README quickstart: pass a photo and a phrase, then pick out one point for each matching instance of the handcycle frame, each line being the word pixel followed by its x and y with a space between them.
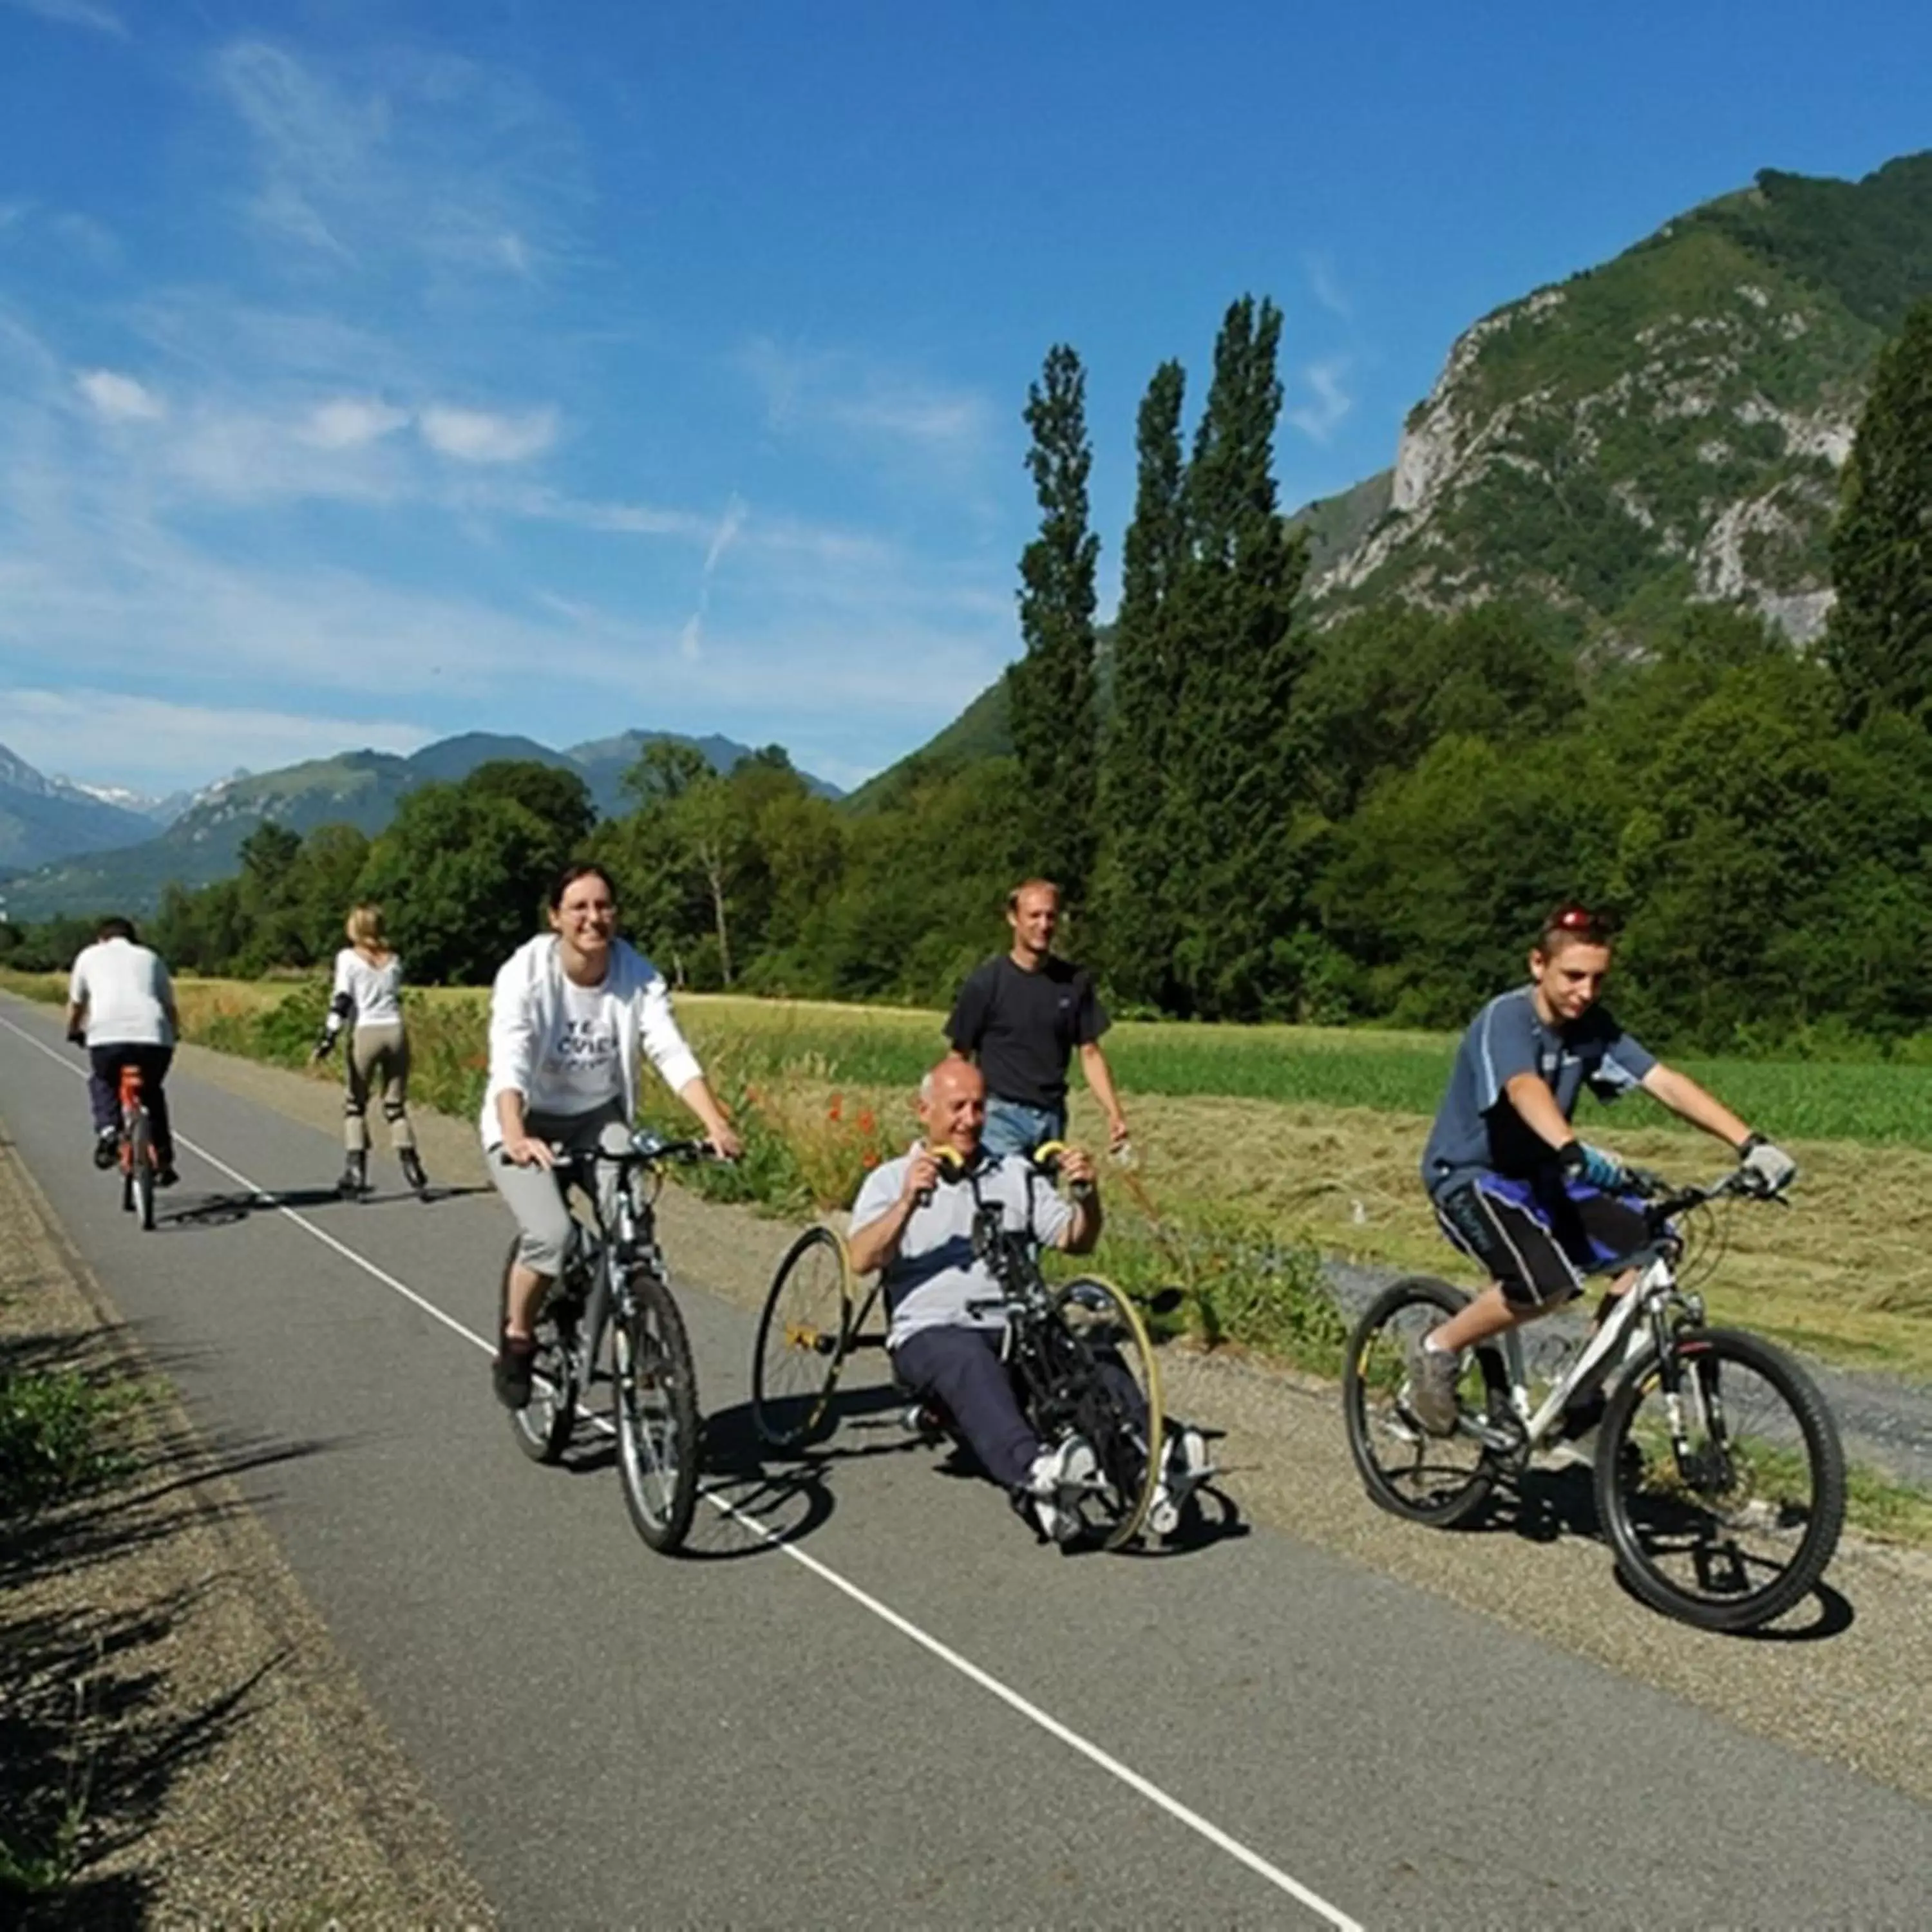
pixel 1054 1360
pixel 614 1278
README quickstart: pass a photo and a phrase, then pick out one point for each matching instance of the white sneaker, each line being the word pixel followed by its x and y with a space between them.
pixel 1056 1482
pixel 1184 1466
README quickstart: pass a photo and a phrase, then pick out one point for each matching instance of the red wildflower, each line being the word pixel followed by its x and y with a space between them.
pixel 866 1123
pixel 837 1109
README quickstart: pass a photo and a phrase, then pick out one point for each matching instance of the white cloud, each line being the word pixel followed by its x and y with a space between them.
pixel 346 422
pixel 1325 285
pixel 482 436
pixel 729 527
pixel 839 391
pixel 120 398
pixel 86 13
pixel 1319 419
pixel 151 744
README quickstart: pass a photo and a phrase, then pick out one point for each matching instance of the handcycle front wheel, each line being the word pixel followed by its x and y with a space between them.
pixel 1124 1424
pixel 654 1397
pixel 803 1333
pixel 1430 1479
pixel 1736 1528
pixel 543 1428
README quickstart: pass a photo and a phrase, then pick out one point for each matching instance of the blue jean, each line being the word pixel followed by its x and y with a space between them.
pixel 1013 1127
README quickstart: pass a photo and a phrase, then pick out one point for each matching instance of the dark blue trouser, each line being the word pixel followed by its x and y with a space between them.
pixel 103 1089
pixel 962 1368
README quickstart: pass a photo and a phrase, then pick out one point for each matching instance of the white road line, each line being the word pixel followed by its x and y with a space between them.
pixel 1182 1814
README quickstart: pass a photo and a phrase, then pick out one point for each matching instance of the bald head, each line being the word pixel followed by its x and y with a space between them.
pixel 952 1105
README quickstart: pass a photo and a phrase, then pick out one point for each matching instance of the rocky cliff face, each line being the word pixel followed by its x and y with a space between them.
pixel 1669 426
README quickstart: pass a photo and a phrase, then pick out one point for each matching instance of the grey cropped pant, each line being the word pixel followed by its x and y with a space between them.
pixel 532 1193
pixel 378 1058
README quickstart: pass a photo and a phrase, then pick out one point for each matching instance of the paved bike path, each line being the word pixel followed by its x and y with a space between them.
pixel 739 1739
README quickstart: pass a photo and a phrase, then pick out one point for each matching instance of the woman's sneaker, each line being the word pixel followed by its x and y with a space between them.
pixel 1057 1481
pixel 510 1373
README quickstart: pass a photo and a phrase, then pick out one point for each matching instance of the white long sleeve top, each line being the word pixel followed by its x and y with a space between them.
pixel 364 994
pixel 569 1049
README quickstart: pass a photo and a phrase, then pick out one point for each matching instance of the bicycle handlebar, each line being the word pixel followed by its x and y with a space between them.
pixel 1664 1201
pixel 645 1151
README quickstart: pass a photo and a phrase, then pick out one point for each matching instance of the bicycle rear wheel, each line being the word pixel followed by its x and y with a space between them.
pixel 543 1430
pixel 654 1397
pixel 1117 1405
pixel 1736 1526
pixel 141 1167
pixel 1438 1480
pixel 801 1342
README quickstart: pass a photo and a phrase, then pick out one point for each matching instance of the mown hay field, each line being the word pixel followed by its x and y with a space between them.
pixel 1313 1134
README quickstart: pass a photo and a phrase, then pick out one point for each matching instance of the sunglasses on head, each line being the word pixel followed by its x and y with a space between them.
pixel 1581 920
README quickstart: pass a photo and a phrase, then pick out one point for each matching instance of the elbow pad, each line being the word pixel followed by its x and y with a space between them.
pixel 341 1007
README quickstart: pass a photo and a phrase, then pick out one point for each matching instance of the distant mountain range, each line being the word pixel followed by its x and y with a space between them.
pixel 107 857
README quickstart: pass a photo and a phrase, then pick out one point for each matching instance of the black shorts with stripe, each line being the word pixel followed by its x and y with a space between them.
pixel 1538 1242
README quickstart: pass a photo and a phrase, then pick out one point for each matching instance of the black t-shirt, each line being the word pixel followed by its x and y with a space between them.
pixel 1023 1027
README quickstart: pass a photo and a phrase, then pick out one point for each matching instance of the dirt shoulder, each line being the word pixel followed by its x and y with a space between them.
pixel 165 1685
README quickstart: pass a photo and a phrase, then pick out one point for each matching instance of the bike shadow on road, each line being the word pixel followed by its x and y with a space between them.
pixel 1545 1504
pixel 217 1210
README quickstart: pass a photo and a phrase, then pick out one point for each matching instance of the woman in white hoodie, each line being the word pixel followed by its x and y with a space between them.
pixel 567 1014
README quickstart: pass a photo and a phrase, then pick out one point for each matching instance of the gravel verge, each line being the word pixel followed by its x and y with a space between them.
pixel 163 1671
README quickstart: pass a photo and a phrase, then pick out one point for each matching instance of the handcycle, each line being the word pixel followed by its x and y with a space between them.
pixel 1078 1351
pixel 613 1281
pixel 1719 1476
pixel 134 1148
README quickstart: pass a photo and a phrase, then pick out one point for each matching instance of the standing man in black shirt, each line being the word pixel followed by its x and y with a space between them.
pixel 1020 1015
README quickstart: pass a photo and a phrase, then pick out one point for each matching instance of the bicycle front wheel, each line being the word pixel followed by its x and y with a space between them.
pixel 801 1342
pixel 141 1168
pixel 543 1428
pixel 1118 1406
pixel 1721 1481
pixel 655 1395
pixel 1425 1478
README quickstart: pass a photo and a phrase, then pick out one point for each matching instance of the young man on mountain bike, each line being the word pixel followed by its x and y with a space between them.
pixel 1513 1187
pixel 120 1005
pixel 914 1219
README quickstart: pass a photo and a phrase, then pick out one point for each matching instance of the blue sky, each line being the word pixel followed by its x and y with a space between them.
pixel 373 372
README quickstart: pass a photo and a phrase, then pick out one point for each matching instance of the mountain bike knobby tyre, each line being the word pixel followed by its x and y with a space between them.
pixel 543 1430
pixel 1739 1528
pixel 1126 1428
pixel 1437 1479
pixel 800 1346
pixel 654 1398
pixel 139 1192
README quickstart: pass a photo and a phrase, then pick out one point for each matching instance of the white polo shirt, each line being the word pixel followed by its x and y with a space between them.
pixel 127 992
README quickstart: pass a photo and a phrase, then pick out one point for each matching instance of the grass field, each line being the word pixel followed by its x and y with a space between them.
pixel 1273 1141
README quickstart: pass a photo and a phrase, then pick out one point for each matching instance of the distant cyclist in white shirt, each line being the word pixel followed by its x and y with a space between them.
pixel 568 1013
pixel 120 1004
pixel 367 998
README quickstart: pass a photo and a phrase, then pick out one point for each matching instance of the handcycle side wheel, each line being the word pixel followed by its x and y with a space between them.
pixel 803 1333
pixel 139 1194
pixel 1423 1478
pixel 654 1398
pixel 1739 1528
pixel 543 1430
pixel 1118 1407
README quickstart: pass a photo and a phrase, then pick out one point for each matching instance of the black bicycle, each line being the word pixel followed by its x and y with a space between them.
pixel 1078 1353
pixel 613 1281
pixel 1720 1478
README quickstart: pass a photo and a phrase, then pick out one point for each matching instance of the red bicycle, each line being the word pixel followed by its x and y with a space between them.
pixel 136 1148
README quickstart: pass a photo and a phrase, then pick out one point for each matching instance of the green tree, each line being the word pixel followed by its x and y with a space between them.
pixel 1053 706
pixel 1880 637
pixel 558 798
pixel 1132 890
pixel 1235 781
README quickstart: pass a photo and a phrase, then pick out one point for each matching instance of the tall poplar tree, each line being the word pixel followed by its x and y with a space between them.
pixel 1133 890
pixel 1053 699
pixel 1235 780
pixel 1879 637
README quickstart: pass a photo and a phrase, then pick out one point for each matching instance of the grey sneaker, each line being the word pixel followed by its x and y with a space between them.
pixel 1056 1482
pixel 1433 1374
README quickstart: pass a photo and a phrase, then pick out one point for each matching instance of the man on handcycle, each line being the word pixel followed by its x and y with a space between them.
pixel 1514 1188
pixel 913 1219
